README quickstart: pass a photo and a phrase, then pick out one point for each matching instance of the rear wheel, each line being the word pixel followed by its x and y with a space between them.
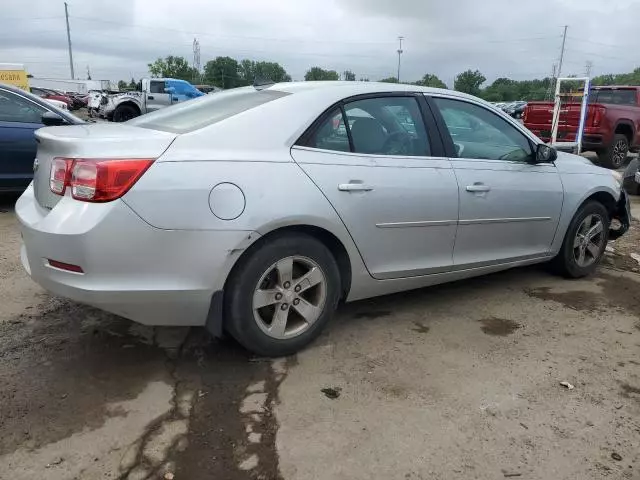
pixel 615 156
pixel 122 113
pixel 281 295
pixel 584 242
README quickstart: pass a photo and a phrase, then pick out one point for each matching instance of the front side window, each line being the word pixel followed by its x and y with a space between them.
pixel 156 87
pixel 478 133
pixel 376 126
pixel 16 109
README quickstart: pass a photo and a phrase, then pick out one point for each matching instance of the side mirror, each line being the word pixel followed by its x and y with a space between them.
pixel 545 154
pixel 51 119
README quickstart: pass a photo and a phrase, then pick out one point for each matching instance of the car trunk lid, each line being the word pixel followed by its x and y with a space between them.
pixel 102 141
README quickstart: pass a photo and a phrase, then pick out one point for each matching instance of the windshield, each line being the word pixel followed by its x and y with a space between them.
pixel 207 110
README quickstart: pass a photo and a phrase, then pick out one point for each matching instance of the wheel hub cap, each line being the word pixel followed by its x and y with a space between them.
pixel 289 297
pixel 589 241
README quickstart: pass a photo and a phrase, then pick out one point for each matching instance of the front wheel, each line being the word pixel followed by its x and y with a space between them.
pixel 584 242
pixel 281 295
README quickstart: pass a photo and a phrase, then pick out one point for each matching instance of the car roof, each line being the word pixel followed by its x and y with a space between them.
pixel 345 88
pixel 39 101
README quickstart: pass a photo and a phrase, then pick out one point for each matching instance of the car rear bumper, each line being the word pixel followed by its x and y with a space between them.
pixel 149 275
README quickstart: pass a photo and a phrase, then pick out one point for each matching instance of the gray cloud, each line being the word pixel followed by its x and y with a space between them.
pixel 499 37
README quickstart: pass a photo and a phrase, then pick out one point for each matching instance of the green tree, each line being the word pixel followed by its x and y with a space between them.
pixel 223 72
pixel 390 80
pixel 430 80
pixel 123 85
pixel 317 73
pixel 133 84
pixel 469 82
pixel 172 67
pixel 349 76
pixel 250 70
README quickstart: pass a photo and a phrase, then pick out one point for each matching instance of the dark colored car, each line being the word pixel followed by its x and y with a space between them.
pixel 21 113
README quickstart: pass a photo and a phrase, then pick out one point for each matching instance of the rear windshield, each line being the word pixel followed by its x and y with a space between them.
pixel 614 97
pixel 206 110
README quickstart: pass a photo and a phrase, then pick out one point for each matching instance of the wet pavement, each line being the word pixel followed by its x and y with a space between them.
pixel 456 381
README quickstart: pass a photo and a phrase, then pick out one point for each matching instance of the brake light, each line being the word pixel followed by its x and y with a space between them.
pixel 598 115
pixel 97 180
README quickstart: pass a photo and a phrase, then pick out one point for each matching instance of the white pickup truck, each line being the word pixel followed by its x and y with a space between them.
pixel 153 94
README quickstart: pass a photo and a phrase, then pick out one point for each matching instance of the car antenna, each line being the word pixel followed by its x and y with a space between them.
pixel 260 83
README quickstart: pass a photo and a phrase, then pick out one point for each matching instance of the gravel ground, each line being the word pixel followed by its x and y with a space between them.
pixel 457 381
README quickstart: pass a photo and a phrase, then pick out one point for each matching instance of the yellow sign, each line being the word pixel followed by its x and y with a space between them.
pixel 17 78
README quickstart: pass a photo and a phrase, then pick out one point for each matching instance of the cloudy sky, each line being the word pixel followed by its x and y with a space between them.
pixel 514 38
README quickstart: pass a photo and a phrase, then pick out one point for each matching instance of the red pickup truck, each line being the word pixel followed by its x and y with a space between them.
pixel 611 129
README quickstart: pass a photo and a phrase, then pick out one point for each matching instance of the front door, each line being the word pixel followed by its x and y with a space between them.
pixel 509 207
pixel 157 97
pixel 376 162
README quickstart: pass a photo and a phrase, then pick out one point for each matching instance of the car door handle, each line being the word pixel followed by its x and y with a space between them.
pixel 354 187
pixel 478 187
pixel 150 97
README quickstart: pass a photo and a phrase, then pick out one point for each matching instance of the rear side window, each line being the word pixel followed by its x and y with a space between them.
pixel 382 125
pixel 613 97
pixel 206 110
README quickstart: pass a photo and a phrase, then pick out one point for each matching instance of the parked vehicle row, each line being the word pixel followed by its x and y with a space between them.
pixel 73 101
pixel 395 186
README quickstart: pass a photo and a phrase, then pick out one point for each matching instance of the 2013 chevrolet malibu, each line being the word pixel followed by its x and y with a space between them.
pixel 254 211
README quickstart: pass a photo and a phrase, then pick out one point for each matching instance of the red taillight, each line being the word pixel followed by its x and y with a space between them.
pixel 60 175
pixel 598 115
pixel 97 180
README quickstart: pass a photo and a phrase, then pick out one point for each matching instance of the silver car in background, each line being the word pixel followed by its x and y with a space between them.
pixel 256 210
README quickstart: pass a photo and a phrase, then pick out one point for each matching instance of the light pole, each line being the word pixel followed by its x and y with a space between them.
pixel 399 54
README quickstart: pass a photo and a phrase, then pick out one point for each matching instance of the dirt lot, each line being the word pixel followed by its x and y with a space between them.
pixel 459 381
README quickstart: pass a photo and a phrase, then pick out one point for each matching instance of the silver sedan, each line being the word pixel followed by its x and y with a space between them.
pixel 255 211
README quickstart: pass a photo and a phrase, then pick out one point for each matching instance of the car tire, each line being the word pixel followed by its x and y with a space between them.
pixel 262 271
pixel 567 262
pixel 616 154
pixel 123 113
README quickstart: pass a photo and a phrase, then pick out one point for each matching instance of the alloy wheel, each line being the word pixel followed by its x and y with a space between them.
pixel 589 240
pixel 289 297
pixel 619 153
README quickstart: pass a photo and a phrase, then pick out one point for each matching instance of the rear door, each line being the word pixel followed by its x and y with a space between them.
pixel 379 161
pixel 19 118
pixel 157 98
pixel 509 207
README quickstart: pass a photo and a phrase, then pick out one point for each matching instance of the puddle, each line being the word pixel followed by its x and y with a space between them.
pixel 500 327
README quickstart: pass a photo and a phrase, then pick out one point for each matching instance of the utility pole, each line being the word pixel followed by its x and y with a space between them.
pixel 399 54
pixel 564 40
pixel 66 15
pixel 588 66
pixel 196 60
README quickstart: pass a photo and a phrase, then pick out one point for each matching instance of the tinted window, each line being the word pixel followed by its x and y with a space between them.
pixel 156 87
pixel 615 97
pixel 387 126
pixel 332 134
pixel 14 108
pixel 481 134
pixel 206 110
